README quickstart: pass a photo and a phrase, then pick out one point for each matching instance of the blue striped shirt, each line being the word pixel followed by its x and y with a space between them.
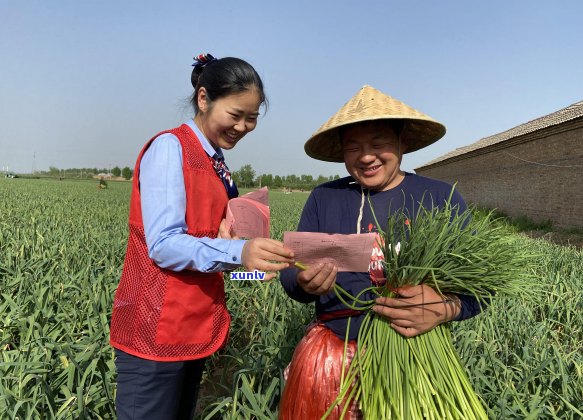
pixel 163 201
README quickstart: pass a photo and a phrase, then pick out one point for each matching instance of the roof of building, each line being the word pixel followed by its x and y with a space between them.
pixel 566 114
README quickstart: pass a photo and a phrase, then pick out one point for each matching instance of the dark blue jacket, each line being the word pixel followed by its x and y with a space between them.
pixel 334 207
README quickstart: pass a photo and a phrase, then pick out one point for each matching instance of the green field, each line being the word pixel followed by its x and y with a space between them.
pixel 62 245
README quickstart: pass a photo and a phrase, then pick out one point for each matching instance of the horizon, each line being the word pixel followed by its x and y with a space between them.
pixel 86 85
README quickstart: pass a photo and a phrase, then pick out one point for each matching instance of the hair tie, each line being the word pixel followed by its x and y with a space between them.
pixel 202 60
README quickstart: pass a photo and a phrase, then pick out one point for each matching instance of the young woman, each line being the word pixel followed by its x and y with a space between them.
pixel 370 134
pixel 169 311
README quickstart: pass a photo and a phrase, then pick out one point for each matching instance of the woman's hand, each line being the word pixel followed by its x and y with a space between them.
pixel 266 254
pixel 225 233
pixel 317 279
pixel 417 309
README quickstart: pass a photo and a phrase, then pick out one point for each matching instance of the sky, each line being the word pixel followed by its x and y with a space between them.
pixel 87 83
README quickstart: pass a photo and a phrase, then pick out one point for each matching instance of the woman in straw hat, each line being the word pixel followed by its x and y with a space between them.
pixel 370 134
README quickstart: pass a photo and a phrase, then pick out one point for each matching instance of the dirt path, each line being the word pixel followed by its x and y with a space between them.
pixel 558 237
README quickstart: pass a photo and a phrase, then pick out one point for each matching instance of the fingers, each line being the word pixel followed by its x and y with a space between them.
pixel 415 312
pixel 224 232
pixel 266 254
pixel 400 303
pixel 403 321
pixel 272 249
pixel 269 276
pixel 407 331
pixel 399 309
pixel 407 322
pixel 410 291
pixel 318 279
pixel 410 296
pixel 417 309
pixel 263 265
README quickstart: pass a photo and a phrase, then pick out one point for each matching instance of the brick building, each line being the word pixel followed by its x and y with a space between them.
pixel 534 169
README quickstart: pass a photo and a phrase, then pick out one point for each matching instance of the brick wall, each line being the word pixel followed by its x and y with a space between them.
pixel 502 176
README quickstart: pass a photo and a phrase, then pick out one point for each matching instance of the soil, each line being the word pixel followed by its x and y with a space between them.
pixel 572 239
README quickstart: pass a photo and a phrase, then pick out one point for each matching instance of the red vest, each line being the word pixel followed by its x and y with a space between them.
pixel 164 315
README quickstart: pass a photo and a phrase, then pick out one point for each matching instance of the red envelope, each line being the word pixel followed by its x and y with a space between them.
pixel 248 216
pixel 349 252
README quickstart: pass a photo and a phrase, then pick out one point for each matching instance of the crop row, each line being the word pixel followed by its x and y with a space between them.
pixel 61 251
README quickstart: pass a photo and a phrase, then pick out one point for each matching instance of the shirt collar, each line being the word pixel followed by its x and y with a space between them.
pixel 206 145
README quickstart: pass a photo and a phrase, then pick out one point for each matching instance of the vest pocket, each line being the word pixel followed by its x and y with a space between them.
pixel 192 306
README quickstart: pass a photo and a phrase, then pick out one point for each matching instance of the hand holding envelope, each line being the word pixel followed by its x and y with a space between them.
pixel 248 216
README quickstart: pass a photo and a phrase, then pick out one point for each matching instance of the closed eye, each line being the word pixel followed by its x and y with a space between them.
pixel 351 149
pixel 351 146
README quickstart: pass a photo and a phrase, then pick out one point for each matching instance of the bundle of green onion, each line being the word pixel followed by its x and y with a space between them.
pixel 394 377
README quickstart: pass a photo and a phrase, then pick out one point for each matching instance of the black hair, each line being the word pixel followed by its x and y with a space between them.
pixel 223 77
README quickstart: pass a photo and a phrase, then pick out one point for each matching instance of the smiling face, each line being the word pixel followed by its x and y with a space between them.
pixel 227 120
pixel 372 154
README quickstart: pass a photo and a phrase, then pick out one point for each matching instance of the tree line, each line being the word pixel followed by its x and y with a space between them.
pixel 88 173
pixel 245 177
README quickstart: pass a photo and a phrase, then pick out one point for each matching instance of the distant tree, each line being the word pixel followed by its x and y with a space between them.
pixel 265 180
pixel 306 182
pixel 236 178
pixel 116 171
pixel 291 181
pixel 54 171
pixel 246 175
pixel 126 172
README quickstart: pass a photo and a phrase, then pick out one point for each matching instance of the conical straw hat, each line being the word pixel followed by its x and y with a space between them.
pixel 419 130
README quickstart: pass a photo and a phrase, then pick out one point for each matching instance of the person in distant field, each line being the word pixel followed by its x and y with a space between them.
pixel 102 183
pixel 370 134
pixel 169 311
